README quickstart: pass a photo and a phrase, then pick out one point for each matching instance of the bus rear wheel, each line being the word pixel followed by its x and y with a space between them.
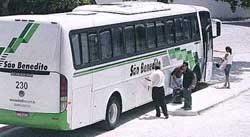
pixel 113 112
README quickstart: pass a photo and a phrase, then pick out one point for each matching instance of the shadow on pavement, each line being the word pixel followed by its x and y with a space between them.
pixel 89 131
pixel 237 69
pixel 241 23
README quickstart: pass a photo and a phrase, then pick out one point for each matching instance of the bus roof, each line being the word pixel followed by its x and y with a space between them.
pixel 106 14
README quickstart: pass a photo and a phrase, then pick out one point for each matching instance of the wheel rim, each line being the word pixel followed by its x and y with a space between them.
pixel 113 113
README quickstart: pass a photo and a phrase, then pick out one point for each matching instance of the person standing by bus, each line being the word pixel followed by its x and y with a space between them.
pixel 157 79
pixel 189 83
pixel 228 58
pixel 176 85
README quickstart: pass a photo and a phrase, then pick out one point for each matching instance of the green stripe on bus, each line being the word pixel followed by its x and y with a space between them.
pixel 24 37
pixel 16 44
pixel 57 121
pixel 30 33
pixel 178 53
pixel 184 54
pixel 175 53
pixel 1 50
pixel 27 27
pixel 172 53
pixel 93 70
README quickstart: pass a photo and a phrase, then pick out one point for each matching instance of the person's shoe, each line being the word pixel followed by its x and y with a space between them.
pixel 228 87
pixel 183 107
pixel 158 115
pixel 187 108
pixel 177 102
pixel 166 117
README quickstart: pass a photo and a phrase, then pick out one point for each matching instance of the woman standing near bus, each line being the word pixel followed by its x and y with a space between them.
pixel 229 61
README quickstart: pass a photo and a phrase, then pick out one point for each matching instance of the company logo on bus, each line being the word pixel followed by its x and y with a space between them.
pixel 21 93
pixel 16 42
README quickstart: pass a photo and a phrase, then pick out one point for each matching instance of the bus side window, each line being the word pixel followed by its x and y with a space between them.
pixel 161 34
pixel 76 49
pixel 106 45
pixel 179 30
pixel 129 39
pixel 117 42
pixel 170 31
pixel 187 28
pixel 93 47
pixel 140 37
pixel 85 49
pixel 151 35
pixel 195 28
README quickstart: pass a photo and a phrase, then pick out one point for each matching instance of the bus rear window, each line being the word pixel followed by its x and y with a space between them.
pixel 76 49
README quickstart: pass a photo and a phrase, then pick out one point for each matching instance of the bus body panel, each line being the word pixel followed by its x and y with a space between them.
pixel 128 78
pixel 29 66
pixel 81 101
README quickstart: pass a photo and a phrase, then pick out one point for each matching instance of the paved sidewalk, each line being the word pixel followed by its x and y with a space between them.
pixel 209 97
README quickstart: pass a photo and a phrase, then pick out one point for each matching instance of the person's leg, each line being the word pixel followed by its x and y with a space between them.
pixel 228 76
pixel 163 102
pixel 187 99
pixel 156 101
pixel 225 84
pixel 227 71
pixel 174 96
pixel 184 93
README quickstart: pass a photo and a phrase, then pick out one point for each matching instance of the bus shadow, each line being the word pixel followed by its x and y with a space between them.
pixel 88 131
pixel 238 68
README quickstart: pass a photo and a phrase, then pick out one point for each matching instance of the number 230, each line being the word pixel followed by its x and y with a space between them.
pixel 21 85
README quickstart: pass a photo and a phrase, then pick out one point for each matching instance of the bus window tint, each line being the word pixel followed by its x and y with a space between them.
pixel 178 29
pixel 205 19
pixel 161 35
pixel 129 39
pixel 170 32
pixel 151 35
pixel 140 37
pixel 76 49
pixel 117 42
pixel 105 43
pixel 85 49
pixel 93 48
pixel 187 28
pixel 195 28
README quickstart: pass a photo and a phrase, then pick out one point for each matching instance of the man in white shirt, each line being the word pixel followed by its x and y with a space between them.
pixel 157 79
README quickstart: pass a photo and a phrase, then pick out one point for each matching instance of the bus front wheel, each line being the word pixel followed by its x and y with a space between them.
pixel 113 112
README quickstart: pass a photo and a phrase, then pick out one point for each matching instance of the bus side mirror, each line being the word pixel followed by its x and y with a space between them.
pixel 216 26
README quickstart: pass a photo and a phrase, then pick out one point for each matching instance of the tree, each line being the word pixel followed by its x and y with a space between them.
pixel 10 7
pixel 237 3
pixel 4 7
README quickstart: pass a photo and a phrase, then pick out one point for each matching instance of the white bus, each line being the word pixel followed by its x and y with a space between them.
pixel 68 70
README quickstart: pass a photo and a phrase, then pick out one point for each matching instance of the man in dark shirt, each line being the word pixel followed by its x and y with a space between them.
pixel 189 83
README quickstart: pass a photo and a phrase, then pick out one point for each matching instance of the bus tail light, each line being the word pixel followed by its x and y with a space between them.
pixel 63 92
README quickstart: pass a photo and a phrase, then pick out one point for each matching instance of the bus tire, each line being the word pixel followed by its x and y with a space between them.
pixel 113 112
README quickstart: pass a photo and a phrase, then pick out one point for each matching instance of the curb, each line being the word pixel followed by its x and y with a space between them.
pixel 181 112
pixel 226 99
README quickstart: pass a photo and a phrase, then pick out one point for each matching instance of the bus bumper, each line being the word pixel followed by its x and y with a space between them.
pixel 56 121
